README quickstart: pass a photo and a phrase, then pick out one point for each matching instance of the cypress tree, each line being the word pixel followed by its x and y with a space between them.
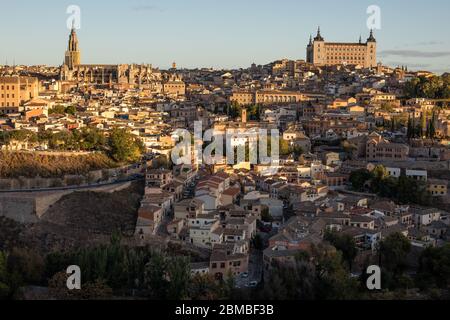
pixel 409 127
pixel 423 124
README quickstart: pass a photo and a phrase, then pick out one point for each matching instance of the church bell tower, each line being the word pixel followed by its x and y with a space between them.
pixel 73 54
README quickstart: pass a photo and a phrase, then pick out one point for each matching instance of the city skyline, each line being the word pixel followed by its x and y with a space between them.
pixel 193 35
pixel 225 156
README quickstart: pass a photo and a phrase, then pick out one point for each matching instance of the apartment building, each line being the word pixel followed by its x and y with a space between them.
pixel 15 90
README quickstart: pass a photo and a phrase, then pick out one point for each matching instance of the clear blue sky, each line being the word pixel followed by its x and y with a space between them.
pixel 219 33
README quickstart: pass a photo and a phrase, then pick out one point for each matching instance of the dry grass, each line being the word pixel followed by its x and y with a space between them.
pixel 30 165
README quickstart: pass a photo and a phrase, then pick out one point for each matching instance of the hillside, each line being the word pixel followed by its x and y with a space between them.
pixel 30 165
pixel 77 220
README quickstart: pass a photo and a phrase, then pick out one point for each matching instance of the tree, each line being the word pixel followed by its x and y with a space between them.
pixel 124 147
pixel 297 151
pixel 4 287
pixel 393 258
pixel 431 129
pixel 71 110
pixel 57 109
pixel 332 278
pixel 178 274
pixel 344 243
pixel 265 215
pixel 28 264
pixel 284 147
pixel 393 125
pixel 358 179
pixel 434 268
pixel 423 125
pixel 155 276
pixel 386 106
pixel 409 130
pixel 89 291
pixel 409 190
pixel 57 287
pixel 205 287
pixel 318 275
pixel 436 87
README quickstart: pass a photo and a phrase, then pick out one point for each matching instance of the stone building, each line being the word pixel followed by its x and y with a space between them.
pixel 142 76
pixel 15 91
pixel 267 97
pixel 322 53
pixel 380 149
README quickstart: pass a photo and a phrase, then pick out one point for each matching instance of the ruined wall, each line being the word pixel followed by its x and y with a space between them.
pixel 30 207
pixel 19 208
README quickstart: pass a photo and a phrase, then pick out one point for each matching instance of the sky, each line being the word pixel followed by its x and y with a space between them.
pixel 221 33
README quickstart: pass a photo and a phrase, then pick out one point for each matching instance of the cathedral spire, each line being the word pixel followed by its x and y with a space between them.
pixel 72 57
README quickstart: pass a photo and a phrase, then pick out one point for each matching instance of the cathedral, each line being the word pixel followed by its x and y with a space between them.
pixel 322 53
pixel 127 75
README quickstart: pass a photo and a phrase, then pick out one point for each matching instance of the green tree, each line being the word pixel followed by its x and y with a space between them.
pixel 57 109
pixel 155 276
pixel 332 278
pixel 434 268
pixel 358 179
pixel 423 124
pixel 284 147
pixel 344 243
pixel 319 275
pixel 393 252
pixel 72 110
pixel 124 147
pixel 179 274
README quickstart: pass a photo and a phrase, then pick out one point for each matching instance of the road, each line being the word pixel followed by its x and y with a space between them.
pixel 255 269
pixel 83 187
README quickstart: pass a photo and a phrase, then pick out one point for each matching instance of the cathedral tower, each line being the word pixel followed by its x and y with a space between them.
pixel 73 54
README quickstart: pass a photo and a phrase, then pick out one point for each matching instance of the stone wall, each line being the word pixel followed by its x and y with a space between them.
pixel 18 208
pixel 92 177
pixel 30 207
